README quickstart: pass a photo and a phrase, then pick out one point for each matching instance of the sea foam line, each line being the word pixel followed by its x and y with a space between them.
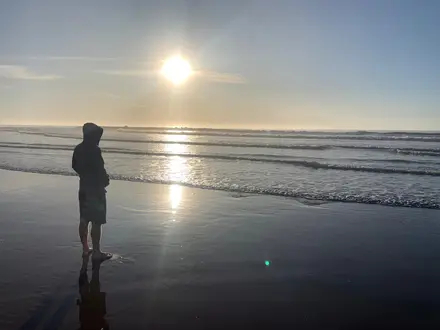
pixel 395 202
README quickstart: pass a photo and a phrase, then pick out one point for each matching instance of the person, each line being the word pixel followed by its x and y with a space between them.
pixel 87 162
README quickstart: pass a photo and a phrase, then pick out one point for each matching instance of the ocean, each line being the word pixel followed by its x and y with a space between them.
pixel 272 241
pixel 387 168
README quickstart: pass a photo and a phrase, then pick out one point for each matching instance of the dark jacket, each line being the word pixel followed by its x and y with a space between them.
pixel 87 161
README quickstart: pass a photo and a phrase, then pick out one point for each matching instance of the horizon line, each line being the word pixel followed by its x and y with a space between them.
pixel 176 127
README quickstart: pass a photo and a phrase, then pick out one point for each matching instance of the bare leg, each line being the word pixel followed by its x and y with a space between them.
pixel 96 241
pixel 83 232
pixel 96 238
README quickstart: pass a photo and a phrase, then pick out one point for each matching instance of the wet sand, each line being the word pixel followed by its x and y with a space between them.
pixel 189 258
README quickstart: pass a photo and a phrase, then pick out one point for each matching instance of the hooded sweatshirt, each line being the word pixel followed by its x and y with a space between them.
pixel 88 163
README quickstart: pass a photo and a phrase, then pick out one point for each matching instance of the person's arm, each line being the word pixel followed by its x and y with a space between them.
pixel 74 162
pixel 101 172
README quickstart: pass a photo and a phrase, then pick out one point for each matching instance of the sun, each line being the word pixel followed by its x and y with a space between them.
pixel 176 69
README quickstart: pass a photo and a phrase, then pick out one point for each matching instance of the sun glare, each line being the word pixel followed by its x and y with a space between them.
pixel 175 197
pixel 176 69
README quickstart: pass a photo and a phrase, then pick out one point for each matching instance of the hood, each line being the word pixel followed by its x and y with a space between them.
pixel 92 133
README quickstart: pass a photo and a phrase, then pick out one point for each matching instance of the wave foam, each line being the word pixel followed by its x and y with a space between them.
pixel 329 197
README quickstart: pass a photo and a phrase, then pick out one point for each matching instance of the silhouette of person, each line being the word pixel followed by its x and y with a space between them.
pixel 88 163
pixel 92 305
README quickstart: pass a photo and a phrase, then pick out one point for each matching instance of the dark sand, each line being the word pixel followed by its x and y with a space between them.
pixel 189 258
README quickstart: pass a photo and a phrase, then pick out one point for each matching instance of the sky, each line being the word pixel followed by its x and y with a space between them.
pixel 284 64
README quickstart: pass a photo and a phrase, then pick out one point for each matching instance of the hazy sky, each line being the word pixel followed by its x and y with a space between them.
pixel 372 64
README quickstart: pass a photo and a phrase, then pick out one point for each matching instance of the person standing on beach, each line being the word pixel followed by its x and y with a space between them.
pixel 93 179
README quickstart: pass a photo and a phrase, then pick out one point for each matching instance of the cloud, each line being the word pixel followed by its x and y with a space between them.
pixel 225 78
pixel 212 76
pixel 71 58
pixel 130 73
pixel 18 72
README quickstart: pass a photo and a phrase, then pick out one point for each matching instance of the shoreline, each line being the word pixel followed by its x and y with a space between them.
pixel 299 199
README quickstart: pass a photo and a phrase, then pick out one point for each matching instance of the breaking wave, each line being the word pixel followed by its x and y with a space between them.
pixel 302 163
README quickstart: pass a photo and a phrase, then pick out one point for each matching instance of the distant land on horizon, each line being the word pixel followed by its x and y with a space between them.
pixel 234 129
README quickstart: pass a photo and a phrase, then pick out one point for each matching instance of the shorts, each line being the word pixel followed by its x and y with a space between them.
pixel 93 207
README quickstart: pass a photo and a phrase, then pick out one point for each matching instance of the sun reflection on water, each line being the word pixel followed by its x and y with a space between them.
pixel 175 197
pixel 177 138
pixel 177 169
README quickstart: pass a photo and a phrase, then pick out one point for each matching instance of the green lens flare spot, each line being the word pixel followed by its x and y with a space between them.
pixel 267 263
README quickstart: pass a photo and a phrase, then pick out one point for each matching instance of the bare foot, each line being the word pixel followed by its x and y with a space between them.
pixel 102 256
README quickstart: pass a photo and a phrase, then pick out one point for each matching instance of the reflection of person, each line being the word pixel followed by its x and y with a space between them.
pixel 92 306
pixel 88 163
